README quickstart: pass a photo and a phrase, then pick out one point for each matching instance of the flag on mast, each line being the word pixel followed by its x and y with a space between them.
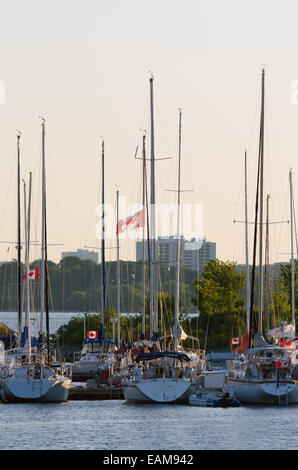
pixel 235 341
pixel 135 221
pixel 33 275
pixel 92 334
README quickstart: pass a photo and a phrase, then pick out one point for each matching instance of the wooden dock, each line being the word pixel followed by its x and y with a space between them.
pixel 102 392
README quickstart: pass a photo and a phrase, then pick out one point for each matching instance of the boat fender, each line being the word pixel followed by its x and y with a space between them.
pixel 4 372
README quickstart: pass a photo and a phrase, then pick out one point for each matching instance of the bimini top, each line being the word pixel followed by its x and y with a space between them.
pixel 149 356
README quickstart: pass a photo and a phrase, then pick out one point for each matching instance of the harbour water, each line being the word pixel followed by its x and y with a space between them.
pixel 57 319
pixel 115 425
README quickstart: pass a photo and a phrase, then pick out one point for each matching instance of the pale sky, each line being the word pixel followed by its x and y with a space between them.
pixel 84 66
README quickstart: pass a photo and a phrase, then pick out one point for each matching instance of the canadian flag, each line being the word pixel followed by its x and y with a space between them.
pixel 33 275
pixel 135 221
pixel 92 334
pixel 235 341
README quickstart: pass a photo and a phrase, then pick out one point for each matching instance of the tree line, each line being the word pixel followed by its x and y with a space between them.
pixel 218 297
pixel 75 285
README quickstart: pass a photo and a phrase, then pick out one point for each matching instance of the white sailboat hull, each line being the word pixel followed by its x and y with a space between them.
pixel 263 392
pixel 161 390
pixel 42 390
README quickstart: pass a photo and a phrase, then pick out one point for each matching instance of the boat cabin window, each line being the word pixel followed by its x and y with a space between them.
pixel 91 348
pixel 216 365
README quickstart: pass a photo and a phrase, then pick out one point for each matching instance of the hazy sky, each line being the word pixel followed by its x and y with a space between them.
pixel 84 66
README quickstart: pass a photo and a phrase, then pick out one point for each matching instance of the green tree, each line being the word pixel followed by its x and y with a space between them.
pixel 220 302
pixel 283 293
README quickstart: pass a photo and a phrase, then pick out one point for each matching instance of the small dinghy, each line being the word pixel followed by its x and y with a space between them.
pixel 214 400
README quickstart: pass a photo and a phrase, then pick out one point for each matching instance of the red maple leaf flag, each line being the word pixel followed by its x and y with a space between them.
pixel 135 221
pixel 235 341
pixel 33 275
pixel 92 334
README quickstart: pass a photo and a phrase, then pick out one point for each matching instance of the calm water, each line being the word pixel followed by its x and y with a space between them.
pixel 57 319
pixel 115 425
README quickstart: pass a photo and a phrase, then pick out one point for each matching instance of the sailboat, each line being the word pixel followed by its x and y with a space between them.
pixel 97 354
pixel 160 376
pixel 270 371
pixel 31 374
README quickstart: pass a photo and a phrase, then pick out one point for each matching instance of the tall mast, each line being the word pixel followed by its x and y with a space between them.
pixel 27 239
pixel 267 264
pixel 261 206
pixel 252 289
pixel 46 274
pixel 103 279
pixel 42 268
pixel 178 246
pixel 27 322
pixel 118 275
pixel 246 250
pixel 144 241
pixel 19 242
pixel 153 232
pixel 149 248
pixel 29 210
pixel 292 252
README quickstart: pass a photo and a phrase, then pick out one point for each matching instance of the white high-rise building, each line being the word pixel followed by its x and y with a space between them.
pixel 197 253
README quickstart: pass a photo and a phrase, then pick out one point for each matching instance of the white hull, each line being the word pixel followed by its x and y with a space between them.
pixel 42 390
pixel 263 392
pixel 156 391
